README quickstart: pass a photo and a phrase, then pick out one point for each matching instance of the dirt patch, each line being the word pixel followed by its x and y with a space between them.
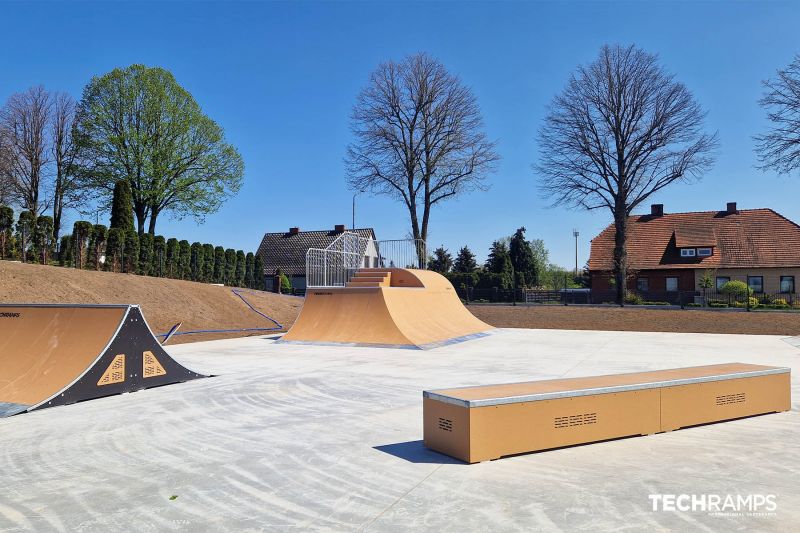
pixel 633 319
pixel 165 302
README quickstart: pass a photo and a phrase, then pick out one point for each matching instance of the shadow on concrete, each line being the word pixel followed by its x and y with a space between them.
pixel 415 452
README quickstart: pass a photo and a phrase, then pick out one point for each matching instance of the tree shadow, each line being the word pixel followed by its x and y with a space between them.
pixel 415 452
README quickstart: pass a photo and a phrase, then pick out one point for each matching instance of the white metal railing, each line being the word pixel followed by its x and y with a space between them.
pixel 335 265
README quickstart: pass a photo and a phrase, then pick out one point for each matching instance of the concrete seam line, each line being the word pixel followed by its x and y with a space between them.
pixel 406 493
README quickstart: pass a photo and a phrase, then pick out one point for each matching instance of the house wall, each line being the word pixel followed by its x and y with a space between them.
pixel 656 279
pixel 772 276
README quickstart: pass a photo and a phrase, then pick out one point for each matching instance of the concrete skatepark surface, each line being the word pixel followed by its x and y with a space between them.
pixel 293 437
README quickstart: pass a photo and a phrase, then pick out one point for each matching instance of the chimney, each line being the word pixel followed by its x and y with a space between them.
pixel 731 209
pixel 294 231
pixel 657 210
pixel 339 228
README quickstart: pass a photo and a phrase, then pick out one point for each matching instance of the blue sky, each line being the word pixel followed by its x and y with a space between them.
pixel 281 79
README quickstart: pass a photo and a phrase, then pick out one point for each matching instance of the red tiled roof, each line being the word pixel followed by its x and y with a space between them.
pixel 747 238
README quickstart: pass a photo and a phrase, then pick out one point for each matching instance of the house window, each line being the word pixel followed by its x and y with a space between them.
pixel 642 285
pixel 703 252
pixel 687 252
pixel 672 284
pixel 756 283
pixel 787 284
pixel 722 280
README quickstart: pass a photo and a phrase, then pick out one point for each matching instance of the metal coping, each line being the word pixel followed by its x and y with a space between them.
pixel 102 306
pixel 485 402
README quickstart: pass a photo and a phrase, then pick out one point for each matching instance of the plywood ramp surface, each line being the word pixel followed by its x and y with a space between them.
pixel 420 309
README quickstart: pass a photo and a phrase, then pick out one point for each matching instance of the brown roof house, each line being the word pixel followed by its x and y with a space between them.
pixel 287 251
pixel 668 253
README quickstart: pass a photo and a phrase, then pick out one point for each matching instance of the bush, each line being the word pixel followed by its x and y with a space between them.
pixel 131 252
pixel 115 246
pixel 633 299
pixel 780 303
pixel 717 304
pixel 692 304
pixel 490 280
pixel 146 254
pixel 465 279
pixel 736 288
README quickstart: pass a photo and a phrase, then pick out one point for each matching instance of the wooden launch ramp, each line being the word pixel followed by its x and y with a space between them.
pixel 488 422
pixel 392 307
pixel 61 354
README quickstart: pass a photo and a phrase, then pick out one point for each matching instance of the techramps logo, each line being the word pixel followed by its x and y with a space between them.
pixel 10 315
pixel 722 505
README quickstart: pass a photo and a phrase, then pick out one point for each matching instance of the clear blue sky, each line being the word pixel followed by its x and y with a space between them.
pixel 281 78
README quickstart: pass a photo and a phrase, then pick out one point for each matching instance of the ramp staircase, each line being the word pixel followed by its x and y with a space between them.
pixel 371 277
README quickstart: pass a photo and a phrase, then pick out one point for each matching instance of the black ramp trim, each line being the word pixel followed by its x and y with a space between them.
pixel 10 409
pixel 133 340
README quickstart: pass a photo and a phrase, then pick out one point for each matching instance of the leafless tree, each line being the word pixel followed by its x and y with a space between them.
pixel 24 123
pixel 66 192
pixel 418 138
pixel 621 130
pixel 779 148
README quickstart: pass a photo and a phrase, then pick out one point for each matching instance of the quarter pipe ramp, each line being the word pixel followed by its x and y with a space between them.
pixel 392 307
pixel 61 354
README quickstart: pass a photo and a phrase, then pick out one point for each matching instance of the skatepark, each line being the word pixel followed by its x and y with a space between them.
pixel 329 438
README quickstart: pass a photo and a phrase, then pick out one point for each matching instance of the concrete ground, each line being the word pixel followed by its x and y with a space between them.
pixel 289 437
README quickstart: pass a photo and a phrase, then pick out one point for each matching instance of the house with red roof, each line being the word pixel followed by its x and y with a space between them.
pixel 672 252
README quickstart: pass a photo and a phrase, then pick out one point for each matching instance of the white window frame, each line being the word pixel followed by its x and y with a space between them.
pixel 688 252
pixel 666 283
pixel 705 252
pixel 751 287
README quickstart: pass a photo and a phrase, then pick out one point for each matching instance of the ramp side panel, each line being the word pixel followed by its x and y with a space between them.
pixel 45 348
pixel 346 316
pixel 132 341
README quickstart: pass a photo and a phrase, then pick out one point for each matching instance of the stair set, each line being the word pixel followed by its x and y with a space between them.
pixel 370 278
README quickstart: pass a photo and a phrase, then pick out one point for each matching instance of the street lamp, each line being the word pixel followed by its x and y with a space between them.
pixel 575 234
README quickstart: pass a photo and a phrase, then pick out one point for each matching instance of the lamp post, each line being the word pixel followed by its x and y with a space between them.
pixel 575 234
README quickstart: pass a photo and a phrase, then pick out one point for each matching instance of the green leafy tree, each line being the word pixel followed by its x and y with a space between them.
pixel 286 285
pixel 6 225
pixel 146 254
pixel 97 245
pixel 240 268
pixel 258 273
pixel 197 262
pixel 25 228
pixel 441 261
pixel 43 238
pixel 230 267
pixel 81 231
pixel 249 265
pixel 171 259
pixel 131 252
pixel 115 249
pixel 159 255
pixel 465 261
pixel 122 206
pixel 137 123
pixel 65 251
pixel 208 263
pixel 219 264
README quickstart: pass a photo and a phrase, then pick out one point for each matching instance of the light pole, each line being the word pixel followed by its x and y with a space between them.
pixel 575 234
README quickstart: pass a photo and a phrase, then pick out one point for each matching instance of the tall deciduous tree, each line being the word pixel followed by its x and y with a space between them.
pixel 24 121
pixel 25 228
pixel 66 192
pixel 779 148
pixel 43 238
pixel 137 123
pixel 6 225
pixel 418 138
pixel 622 130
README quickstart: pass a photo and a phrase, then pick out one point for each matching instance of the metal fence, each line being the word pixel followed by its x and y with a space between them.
pixel 335 265
pixel 402 253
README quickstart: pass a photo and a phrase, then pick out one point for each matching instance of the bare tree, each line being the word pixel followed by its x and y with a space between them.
pixel 418 138
pixel 621 130
pixel 779 148
pixel 66 192
pixel 24 124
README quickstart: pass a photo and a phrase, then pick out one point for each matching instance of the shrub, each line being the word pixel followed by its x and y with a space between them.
pixel 207 274
pixel 633 299
pixel 197 262
pixel 249 268
pixel 692 304
pixel 131 252
pixel 230 267
pixel 146 242
pixel 97 244
pixel 115 246
pixel 717 304
pixel 286 286
pixel 240 268
pixel 780 303
pixel 219 264
pixel 736 288
pixel 65 251
pixel 258 273
pixel 490 280
pixel 171 256
pixel 159 255
pixel 184 260
pixel 465 279
pixel 81 231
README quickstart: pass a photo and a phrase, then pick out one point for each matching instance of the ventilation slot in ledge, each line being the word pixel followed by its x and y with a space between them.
pixel 445 424
pixel 575 420
pixel 726 399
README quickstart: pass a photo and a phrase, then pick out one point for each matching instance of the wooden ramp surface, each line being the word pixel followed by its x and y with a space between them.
pixel 419 309
pixel 59 354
